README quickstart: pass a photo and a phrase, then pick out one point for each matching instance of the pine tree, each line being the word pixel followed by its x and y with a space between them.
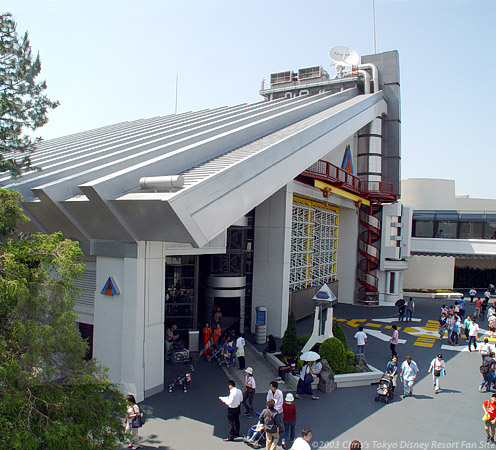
pixel 23 105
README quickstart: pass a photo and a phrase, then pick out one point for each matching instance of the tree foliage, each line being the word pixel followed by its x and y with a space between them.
pixel 333 351
pixel 23 104
pixel 50 397
pixel 290 345
pixel 338 332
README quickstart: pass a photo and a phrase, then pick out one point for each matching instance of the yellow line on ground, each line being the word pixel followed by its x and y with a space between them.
pixel 375 325
pixel 355 322
pixel 340 320
pixel 421 344
pixel 388 327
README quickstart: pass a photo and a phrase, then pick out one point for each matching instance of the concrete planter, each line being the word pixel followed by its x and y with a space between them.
pixel 447 295
pixel 342 381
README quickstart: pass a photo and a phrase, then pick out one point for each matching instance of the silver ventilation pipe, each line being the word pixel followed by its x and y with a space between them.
pixel 165 182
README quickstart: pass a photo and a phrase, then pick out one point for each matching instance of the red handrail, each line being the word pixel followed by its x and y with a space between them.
pixel 329 172
pixel 326 171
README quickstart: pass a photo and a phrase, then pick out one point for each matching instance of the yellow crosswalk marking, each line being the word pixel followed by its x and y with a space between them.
pixel 353 323
pixel 422 344
pixel 375 325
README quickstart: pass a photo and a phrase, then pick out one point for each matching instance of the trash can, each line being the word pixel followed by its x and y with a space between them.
pixel 261 325
pixel 194 339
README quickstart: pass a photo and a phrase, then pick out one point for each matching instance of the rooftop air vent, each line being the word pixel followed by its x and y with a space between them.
pixel 310 72
pixel 281 77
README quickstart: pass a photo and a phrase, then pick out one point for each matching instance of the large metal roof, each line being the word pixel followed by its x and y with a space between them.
pixel 231 158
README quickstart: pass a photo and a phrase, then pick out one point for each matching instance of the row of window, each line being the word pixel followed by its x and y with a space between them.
pixel 452 225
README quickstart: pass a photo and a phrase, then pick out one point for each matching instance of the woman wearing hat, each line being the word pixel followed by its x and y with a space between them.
pixel 437 368
pixel 249 392
pixel 289 419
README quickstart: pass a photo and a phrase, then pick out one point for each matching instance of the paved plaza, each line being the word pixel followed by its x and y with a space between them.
pixel 451 419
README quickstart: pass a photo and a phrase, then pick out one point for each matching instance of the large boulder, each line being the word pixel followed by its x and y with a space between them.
pixel 361 363
pixel 326 378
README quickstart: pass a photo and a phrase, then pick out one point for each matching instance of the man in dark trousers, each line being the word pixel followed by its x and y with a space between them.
pixel 233 403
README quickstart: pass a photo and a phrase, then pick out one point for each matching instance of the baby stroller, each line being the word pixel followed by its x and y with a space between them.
pixel 228 356
pixel 385 389
pixel 216 353
pixel 179 353
pixel 255 437
pixel 183 380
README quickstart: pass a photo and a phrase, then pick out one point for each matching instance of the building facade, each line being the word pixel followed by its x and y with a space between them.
pixel 222 211
pixel 453 236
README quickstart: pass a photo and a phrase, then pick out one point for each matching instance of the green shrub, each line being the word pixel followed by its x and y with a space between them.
pixel 299 364
pixel 350 369
pixel 333 350
pixel 302 340
pixel 350 358
pixel 338 332
pixel 290 339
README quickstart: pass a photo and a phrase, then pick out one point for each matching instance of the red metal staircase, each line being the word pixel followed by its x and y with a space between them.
pixel 368 292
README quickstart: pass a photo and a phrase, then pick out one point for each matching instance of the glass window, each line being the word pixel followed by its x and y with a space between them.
pixel 392 280
pixel 490 226
pixel 446 230
pixel 423 228
pixel 471 226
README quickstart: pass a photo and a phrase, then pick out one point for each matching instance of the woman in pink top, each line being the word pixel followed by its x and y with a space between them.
pixel 393 342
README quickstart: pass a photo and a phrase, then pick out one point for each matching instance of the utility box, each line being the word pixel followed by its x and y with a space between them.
pixel 194 339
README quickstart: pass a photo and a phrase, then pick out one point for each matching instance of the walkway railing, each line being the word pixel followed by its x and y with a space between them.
pixel 326 171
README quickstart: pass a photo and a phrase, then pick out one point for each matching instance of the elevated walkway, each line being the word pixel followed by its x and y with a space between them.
pixel 462 248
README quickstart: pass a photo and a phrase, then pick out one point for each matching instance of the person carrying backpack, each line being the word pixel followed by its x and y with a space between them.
pixel 487 370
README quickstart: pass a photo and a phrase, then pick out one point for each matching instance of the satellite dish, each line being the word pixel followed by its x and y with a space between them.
pixel 344 56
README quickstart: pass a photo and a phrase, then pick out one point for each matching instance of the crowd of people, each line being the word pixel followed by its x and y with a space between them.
pixel 277 422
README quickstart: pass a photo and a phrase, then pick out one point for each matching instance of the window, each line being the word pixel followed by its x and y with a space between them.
pixel 392 281
pixel 423 224
pixel 447 225
pixel 490 226
pixel 471 226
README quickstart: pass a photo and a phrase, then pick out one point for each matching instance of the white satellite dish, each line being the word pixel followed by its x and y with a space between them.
pixel 344 56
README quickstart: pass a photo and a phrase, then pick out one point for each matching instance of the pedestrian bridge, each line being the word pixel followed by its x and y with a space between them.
pixel 466 248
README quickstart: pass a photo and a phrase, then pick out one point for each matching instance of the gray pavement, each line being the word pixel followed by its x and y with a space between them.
pixel 262 371
pixel 451 419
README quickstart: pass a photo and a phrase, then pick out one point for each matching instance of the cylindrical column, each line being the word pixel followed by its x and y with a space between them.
pixel 261 325
pixel 369 156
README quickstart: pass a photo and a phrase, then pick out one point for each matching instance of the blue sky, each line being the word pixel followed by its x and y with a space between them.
pixel 109 61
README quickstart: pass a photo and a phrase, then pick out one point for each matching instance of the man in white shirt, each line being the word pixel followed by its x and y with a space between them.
pixel 361 339
pixel 240 351
pixel 472 294
pixel 408 374
pixel 302 443
pixel 233 403
pixel 276 395
pixel 473 334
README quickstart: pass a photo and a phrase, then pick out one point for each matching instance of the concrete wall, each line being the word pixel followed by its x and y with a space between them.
pixel 271 260
pixel 417 192
pixel 128 328
pixel 347 254
pixel 429 272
